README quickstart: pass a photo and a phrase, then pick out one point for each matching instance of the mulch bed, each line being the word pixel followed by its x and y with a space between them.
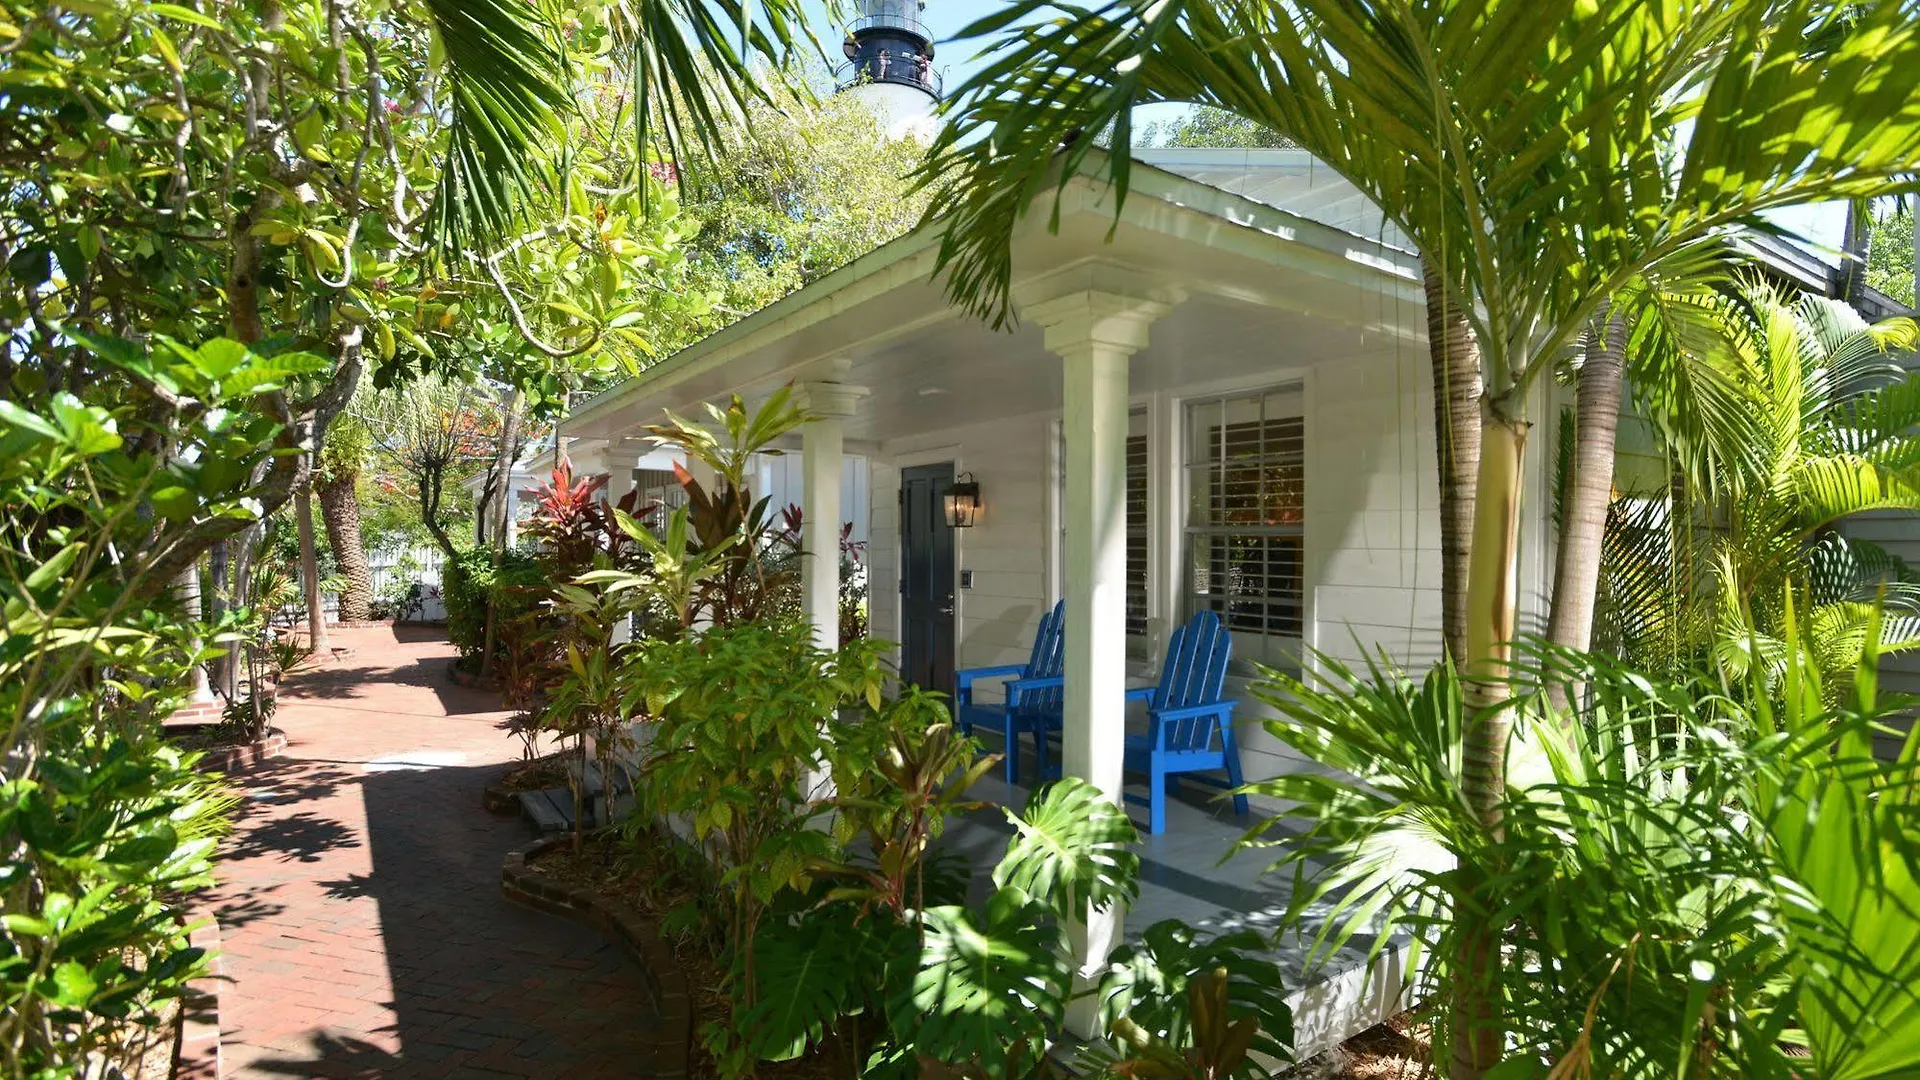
pixel 150 1051
pixel 1395 1050
pixel 540 774
pixel 651 876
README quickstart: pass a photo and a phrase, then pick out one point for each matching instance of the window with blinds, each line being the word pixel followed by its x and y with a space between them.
pixel 1245 463
pixel 1138 523
pixel 1137 535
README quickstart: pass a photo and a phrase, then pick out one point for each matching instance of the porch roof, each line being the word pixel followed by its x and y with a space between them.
pixel 1264 289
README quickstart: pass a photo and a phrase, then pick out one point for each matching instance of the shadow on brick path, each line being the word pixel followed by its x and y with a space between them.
pixel 359 902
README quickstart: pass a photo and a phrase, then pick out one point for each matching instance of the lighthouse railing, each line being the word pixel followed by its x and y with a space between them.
pixel 867 70
pixel 909 22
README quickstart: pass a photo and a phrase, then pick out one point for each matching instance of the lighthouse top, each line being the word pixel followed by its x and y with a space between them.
pixel 890 64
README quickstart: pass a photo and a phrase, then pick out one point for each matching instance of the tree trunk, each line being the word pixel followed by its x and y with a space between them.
pixel 317 641
pixel 500 483
pixel 340 509
pixel 1477 1038
pixel 1583 516
pixel 1456 416
pixel 427 485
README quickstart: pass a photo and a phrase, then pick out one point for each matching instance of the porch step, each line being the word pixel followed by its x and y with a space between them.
pixel 550 810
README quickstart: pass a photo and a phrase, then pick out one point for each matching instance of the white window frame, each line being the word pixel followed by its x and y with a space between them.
pixel 1183 599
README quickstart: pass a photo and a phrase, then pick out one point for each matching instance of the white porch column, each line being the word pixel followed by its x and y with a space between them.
pixel 822 442
pixel 1095 333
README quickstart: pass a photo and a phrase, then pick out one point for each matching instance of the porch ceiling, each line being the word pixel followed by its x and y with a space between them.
pixel 962 372
pixel 1266 293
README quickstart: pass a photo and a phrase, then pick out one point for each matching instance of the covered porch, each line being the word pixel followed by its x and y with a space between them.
pixel 1220 406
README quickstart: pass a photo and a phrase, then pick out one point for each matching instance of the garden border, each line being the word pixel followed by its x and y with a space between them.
pixel 636 935
pixel 197 1055
pixel 233 759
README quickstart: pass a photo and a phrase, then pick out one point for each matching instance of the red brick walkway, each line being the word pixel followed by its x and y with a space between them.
pixel 359 899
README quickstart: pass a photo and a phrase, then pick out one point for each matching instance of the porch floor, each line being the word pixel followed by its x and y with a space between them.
pixel 1192 873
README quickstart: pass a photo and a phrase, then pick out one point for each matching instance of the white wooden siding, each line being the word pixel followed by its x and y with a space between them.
pixel 781 478
pixel 1373 522
pixel 1899 532
pixel 1006 550
pixel 1372 527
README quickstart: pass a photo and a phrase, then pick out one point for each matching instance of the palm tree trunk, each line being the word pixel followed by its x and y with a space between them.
pixel 1456 422
pixel 1583 518
pixel 1855 246
pixel 1477 1039
pixel 317 641
pixel 340 509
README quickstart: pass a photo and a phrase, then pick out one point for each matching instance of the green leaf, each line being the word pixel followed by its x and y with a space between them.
pixel 73 985
pixel 50 571
pixel 986 985
pixel 87 429
pixel 810 971
pixel 152 848
pixel 1074 848
pixel 185 14
pixel 25 422
pixel 27 925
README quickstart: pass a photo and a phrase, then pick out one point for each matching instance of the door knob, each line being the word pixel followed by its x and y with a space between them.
pixel 948 609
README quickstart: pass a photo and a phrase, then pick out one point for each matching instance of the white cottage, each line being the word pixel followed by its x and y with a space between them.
pixel 1224 404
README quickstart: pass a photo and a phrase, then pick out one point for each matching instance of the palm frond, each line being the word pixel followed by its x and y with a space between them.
pixel 696 64
pixel 1537 152
pixel 507 86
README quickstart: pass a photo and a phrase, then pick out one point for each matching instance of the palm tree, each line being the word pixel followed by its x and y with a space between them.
pixel 1542 154
pixel 342 458
pixel 1831 433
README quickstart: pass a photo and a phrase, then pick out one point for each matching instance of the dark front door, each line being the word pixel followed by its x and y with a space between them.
pixel 926 577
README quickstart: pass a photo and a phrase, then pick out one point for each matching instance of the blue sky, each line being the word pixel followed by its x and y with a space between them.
pixel 1821 224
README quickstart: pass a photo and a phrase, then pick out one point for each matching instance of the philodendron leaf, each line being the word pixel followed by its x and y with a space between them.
pixel 987 983
pixel 809 972
pixel 1074 850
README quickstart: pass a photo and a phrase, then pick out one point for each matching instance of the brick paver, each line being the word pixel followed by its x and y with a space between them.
pixel 359 901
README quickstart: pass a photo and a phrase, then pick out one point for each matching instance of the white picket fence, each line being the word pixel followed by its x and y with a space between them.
pixel 392 572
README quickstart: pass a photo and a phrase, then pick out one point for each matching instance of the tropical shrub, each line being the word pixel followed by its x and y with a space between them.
pixel 1686 880
pixel 104 826
pixel 469 584
pixel 1824 431
pixel 740 722
pixel 950 989
pixel 757 572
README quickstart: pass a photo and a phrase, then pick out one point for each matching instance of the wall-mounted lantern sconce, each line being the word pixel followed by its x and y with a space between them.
pixel 963 502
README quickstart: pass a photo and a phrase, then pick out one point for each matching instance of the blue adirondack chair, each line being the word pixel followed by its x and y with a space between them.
pixel 1189 722
pixel 1032 693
